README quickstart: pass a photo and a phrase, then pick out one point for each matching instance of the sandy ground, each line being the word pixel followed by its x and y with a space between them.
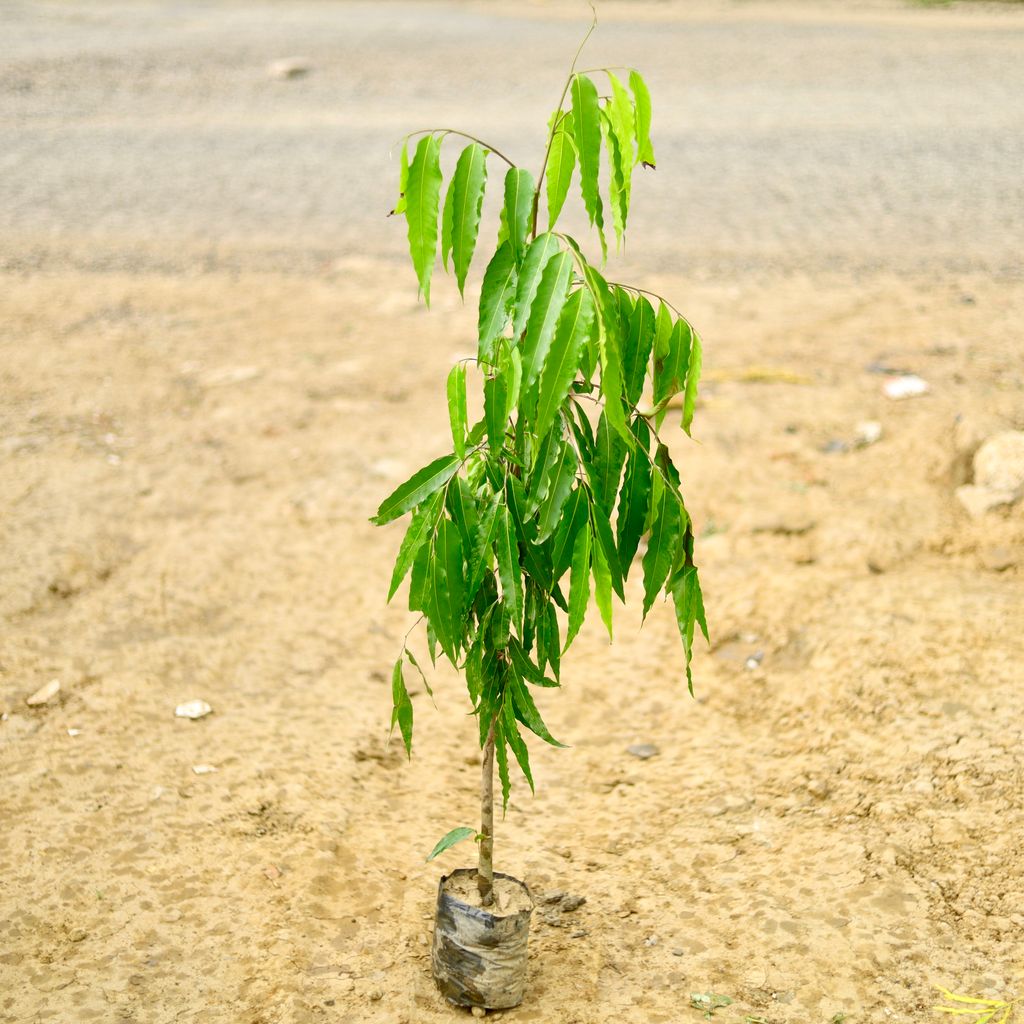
pixel 203 401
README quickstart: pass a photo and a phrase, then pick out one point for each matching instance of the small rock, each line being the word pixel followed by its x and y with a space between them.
pixel 651 940
pixel 980 500
pixel 555 896
pixel 376 996
pixel 643 750
pixel 997 559
pixel 579 934
pixel 999 462
pixel 868 433
pixel 288 68
pixel 74 732
pixel 193 709
pixel 907 386
pixel 818 788
pixel 78 935
pixel 571 903
pixel 273 872
pixel 754 661
pixel 679 952
pixel 44 694
pixel 478 1011
pixel 203 769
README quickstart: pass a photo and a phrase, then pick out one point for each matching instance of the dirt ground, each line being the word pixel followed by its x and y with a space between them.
pixel 195 429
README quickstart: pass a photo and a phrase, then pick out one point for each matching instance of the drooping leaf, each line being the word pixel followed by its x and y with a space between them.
pixel 468 184
pixel 519 190
pixel 579 584
pixel 526 711
pixel 605 468
pixel 512 372
pixel 448 841
pixel 692 379
pixel 461 505
pixel 634 497
pixel 411 658
pixel 661 546
pixel 401 713
pixel 616 178
pixel 541 249
pixel 575 514
pixel 645 151
pixel 506 549
pixel 417 488
pixel 446 224
pixel 444 588
pixel 536 565
pixel 602 527
pixel 479 552
pixel 562 477
pixel 561 164
pixel 422 198
pixel 586 121
pixel 403 180
pixel 421 526
pixel 623 120
pixel 544 313
pixel 497 294
pixel 549 641
pixel 563 358
pixel 689 605
pixel 501 756
pixel 518 746
pixel 457 407
pixel 602 586
pixel 526 668
pixel 670 370
pixel 495 411
pixel 637 351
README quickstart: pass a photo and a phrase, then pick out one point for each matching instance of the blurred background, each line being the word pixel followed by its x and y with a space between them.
pixel 213 366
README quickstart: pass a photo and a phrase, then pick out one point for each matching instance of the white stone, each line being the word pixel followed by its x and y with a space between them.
pixel 44 694
pixel 999 462
pixel 193 709
pixel 980 500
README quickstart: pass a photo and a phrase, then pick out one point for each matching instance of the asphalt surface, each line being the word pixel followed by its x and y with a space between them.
pixel 789 138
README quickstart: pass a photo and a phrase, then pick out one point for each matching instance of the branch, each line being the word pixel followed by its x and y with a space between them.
pixel 465 135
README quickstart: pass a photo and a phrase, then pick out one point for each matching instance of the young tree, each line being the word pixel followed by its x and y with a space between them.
pixel 566 472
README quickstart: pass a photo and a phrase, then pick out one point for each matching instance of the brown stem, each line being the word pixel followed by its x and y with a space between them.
pixel 485 867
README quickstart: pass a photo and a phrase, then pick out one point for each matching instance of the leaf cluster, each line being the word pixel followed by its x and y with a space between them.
pixel 545 500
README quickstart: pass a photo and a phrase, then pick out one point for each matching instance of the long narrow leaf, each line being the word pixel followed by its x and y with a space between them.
pixel 586 120
pixel 422 197
pixel 497 294
pixel 692 379
pixel 457 407
pixel 541 250
pixel 579 585
pixel 645 151
pixel 563 358
pixel 519 190
pixel 418 487
pixel 544 313
pixel 423 521
pixel 468 184
pixel 561 164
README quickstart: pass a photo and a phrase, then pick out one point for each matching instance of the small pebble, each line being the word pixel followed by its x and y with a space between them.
pixel 478 1011
pixel 376 996
pixel 678 952
pixel 643 750
pixel 78 935
pixel 571 903
pixel 44 694
pixel 193 709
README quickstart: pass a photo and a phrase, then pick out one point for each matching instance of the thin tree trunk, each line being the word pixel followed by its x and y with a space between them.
pixel 485 868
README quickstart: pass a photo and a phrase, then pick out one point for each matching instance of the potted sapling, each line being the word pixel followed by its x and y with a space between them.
pixel 547 498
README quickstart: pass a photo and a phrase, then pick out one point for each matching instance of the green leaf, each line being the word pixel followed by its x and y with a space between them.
pixel 579 584
pixel 462 508
pixel 605 468
pixel 606 545
pixel 506 549
pixel 479 552
pixel 495 411
pixel 670 370
pixel 418 487
pixel 602 586
pixel 637 351
pixel 586 115
pixel 457 407
pixel 549 642
pixel 512 372
pixel 444 588
pixel 519 190
pixel 416 665
pixel 403 180
pixel 535 560
pixel 423 521
pixel 544 313
pixel 446 224
pixel 622 115
pixel 526 668
pixel 497 294
pixel 574 515
pixel 661 546
pixel 402 711
pixel 469 182
pixel 422 196
pixel 514 740
pixel 616 178
pixel 501 756
pixel 634 498
pixel 692 379
pixel 561 164
pixel 541 249
pixel 561 480
pixel 448 841
pixel 563 358
pixel 527 713
pixel 645 151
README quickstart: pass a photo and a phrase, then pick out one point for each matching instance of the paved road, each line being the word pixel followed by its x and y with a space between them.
pixel 794 139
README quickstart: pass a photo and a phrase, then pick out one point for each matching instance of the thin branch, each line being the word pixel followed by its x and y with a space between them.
pixel 465 135
pixel 653 295
pixel 551 136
